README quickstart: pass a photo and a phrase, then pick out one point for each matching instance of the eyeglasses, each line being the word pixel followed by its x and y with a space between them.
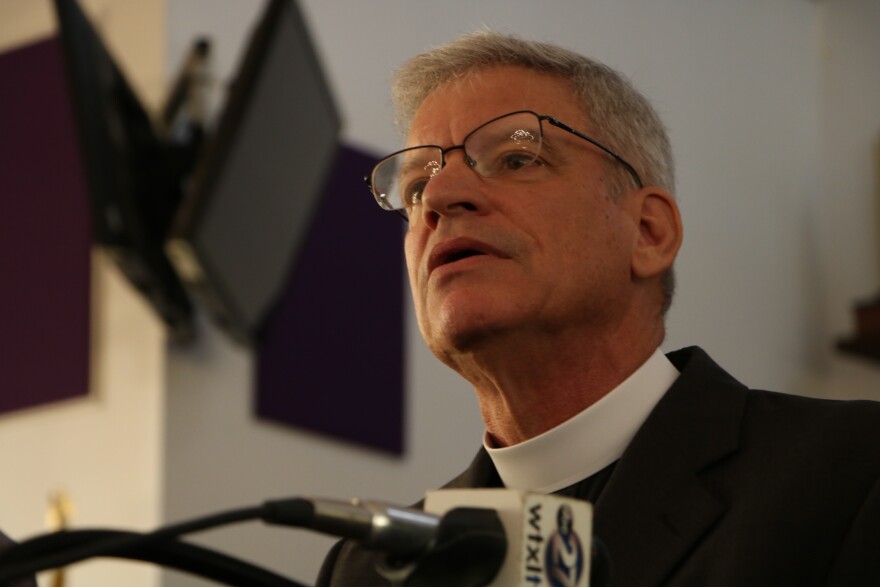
pixel 500 147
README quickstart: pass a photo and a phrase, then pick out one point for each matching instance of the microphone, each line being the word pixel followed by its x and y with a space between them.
pixel 549 536
pixel 398 531
pixel 486 537
pixel 465 547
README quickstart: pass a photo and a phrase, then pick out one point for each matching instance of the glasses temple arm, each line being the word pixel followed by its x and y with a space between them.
pixel 632 171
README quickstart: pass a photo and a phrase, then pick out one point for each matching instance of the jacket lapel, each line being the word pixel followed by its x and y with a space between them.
pixel 655 508
pixel 480 473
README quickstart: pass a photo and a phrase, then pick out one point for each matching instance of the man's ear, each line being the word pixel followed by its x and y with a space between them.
pixel 659 231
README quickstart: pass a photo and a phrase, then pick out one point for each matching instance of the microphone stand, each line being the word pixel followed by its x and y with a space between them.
pixel 161 547
pixel 40 553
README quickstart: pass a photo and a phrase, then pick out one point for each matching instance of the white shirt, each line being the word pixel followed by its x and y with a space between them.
pixel 589 441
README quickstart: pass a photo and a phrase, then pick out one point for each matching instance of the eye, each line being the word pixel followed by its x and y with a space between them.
pixel 412 192
pixel 505 162
pixel 412 182
pixel 516 160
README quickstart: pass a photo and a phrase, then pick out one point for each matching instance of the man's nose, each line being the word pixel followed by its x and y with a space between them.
pixel 455 190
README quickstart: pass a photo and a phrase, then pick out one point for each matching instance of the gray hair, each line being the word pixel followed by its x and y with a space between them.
pixel 620 117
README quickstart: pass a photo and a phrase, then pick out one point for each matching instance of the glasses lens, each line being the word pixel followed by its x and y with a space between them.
pixel 398 180
pixel 505 145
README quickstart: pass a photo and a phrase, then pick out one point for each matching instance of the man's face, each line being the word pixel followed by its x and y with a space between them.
pixel 553 247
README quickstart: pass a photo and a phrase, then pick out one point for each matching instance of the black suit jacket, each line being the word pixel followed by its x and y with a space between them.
pixel 724 485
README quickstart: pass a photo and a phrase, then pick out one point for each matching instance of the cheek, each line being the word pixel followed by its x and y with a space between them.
pixel 412 254
pixel 413 251
pixel 591 247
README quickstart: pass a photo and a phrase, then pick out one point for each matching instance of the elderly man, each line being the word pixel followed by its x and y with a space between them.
pixel 542 230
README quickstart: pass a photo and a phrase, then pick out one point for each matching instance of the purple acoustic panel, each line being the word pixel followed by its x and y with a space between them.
pixel 44 234
pixel 332 354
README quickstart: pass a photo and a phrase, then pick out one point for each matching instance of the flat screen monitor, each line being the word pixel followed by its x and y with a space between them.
pixel 262 171
pixel 132 176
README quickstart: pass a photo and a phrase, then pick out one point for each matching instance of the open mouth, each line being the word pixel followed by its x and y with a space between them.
pixel 459 255
pixel 458 250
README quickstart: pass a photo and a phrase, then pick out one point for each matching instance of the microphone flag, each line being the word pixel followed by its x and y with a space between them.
pixel 549 536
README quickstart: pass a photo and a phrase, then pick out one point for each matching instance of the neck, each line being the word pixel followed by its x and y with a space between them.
pixel 528 384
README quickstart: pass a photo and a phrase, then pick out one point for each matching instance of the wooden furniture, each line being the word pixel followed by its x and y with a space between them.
pixel 866 341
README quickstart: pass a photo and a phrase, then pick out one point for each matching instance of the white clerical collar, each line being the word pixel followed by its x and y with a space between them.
pixel 589 441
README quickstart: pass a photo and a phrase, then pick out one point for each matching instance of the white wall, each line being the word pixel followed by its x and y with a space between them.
pixel 743 87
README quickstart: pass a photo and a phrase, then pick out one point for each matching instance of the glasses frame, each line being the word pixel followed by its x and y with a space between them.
pixel 472 163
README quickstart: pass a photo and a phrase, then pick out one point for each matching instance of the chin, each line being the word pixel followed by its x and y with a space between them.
pixel 461 321
pixel 460 332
